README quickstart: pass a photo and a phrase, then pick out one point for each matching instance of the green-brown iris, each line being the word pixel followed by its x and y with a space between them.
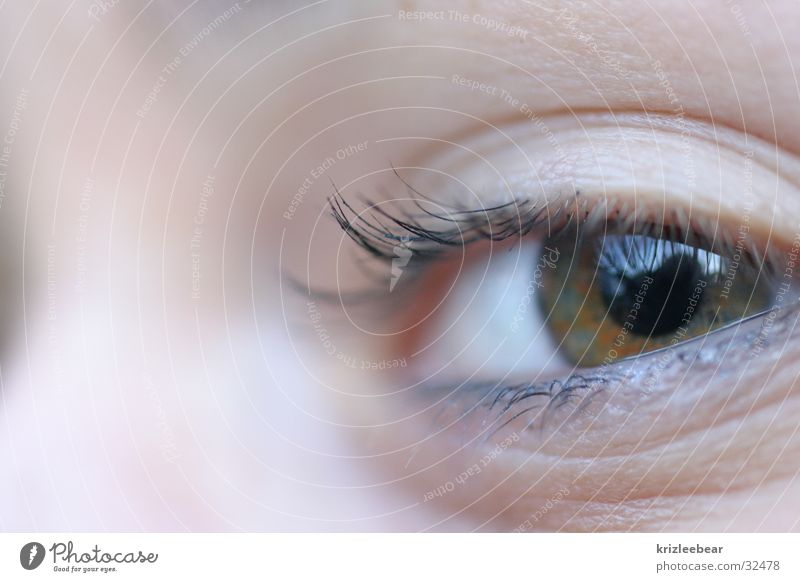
pixel 611 296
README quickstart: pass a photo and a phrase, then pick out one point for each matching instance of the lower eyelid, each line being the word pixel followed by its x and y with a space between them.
pixel 588 401
pixel 631 451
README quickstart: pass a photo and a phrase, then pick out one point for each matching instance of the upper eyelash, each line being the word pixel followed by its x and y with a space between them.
pixel 461 227
pixel 379 232
pixel 559 392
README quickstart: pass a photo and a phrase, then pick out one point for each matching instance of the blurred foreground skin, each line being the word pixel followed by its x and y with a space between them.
pixel 149 163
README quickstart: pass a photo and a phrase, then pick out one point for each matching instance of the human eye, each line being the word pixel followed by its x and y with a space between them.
pixel 577 306
pixel 600 284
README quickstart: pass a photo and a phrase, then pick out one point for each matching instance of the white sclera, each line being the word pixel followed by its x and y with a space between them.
pixel 490 325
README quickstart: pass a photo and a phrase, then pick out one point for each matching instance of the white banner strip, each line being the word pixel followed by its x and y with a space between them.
pixel 401 557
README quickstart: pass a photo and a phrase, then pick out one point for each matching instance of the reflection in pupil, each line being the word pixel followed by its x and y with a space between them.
pixel 612 296
pixel 650 284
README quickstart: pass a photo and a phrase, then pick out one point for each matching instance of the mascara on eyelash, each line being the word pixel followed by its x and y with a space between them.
pixel 430 234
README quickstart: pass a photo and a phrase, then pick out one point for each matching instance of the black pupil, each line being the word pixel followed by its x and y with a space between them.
pixel 650 283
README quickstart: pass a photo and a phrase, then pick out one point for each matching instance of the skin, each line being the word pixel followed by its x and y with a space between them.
pixel 130 402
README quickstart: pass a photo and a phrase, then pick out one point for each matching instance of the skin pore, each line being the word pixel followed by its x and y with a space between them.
pixel 162 373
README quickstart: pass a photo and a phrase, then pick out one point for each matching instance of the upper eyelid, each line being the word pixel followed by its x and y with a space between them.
pixel 720 135
pixel 428 234
pixel 713 132
pixel 716 152
pixel 626 127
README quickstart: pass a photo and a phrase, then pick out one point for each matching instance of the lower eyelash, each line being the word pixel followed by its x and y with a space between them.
pixel 543 399
pixel 505 404
pixel 576 386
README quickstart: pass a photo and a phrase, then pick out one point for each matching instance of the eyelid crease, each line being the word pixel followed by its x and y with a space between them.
pixel 717 133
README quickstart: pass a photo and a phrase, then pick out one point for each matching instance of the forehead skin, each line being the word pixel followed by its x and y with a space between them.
pixel 720 60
